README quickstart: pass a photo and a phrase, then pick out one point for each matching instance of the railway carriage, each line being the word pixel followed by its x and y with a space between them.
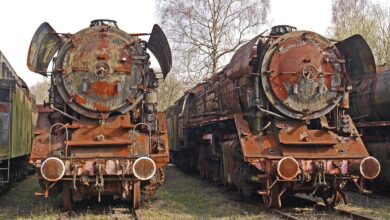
pixel 17 122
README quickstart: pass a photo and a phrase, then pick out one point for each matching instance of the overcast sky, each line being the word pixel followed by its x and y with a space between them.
pixel 19 20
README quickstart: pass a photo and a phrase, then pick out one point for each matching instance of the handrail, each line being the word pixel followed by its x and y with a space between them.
pixel 66 142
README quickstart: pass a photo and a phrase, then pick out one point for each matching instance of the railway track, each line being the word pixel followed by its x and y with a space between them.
pixel 337 212
pixel 306 207
pixel 353 215
pixel 137 214
pixel 291 213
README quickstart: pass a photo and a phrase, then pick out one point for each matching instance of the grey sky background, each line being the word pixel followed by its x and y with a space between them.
pixel 20 19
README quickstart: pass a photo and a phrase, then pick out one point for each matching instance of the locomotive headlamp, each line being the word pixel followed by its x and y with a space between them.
pixel 370 168
pixel 288 168
pixel 144 168
pixel 52 169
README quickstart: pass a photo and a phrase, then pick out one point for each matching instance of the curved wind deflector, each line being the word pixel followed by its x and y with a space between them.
pixel 360 60
pixel 159 46
pixel 44 45
pixel 240 63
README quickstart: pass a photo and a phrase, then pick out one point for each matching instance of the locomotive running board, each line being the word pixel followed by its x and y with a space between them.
pixel 44 45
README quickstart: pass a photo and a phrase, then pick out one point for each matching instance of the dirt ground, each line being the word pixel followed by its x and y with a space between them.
pixel 181 197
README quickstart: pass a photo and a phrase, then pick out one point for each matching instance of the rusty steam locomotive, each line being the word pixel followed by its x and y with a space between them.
pixel 100 133
pixel 274 121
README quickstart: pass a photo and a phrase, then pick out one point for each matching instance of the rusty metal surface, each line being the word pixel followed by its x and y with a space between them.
pixel 93 76
pixel 44 45
pixel 300 135
pixel 303 86
pixel 370 101
pixel 380 150
pixel 101 117
pixel 240 64
pixel 235 129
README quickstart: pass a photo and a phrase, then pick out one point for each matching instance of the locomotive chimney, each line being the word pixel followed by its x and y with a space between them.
pixel 103 22
pixel 281 30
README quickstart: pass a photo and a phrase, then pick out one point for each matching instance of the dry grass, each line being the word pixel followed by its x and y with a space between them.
pixel 182 197
pixel 20 203
pixel 188 197
pixel 375 206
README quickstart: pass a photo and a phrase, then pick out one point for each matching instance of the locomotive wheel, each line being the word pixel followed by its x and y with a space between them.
pixel 136 195
pixel 66 196
pixel 333 200
pixel 272 200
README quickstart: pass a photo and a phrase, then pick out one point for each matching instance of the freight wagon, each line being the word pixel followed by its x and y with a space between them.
pixel 17 121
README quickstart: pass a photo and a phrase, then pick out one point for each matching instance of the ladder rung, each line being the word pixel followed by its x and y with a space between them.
pixel 4 168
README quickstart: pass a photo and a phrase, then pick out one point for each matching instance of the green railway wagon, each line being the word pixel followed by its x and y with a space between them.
pixel 18 114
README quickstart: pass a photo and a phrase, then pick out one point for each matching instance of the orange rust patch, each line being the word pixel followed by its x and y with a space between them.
pixel 99 107
pixel 104 89
pixel 78 99
pixel 4 108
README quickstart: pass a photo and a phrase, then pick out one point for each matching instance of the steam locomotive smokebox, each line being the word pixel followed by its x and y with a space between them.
pixel 98 82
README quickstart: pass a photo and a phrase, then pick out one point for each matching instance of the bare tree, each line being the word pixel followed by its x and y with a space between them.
pixel 203 32
pixel 41 91
pixel 363 17
pixel 169 91
pixel 382 47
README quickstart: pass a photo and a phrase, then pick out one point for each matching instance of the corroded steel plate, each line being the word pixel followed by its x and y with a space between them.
pixel 303 75
pixel 101 71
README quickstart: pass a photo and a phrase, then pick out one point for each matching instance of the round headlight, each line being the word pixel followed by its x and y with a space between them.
pixel 144 168
pixel 370 168
pixel 288 168
pixel 52 169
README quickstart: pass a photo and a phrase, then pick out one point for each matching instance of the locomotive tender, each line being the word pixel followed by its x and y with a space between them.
pixel 370 109
pixel 100 133
pixel 274 121
pixel 18 115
